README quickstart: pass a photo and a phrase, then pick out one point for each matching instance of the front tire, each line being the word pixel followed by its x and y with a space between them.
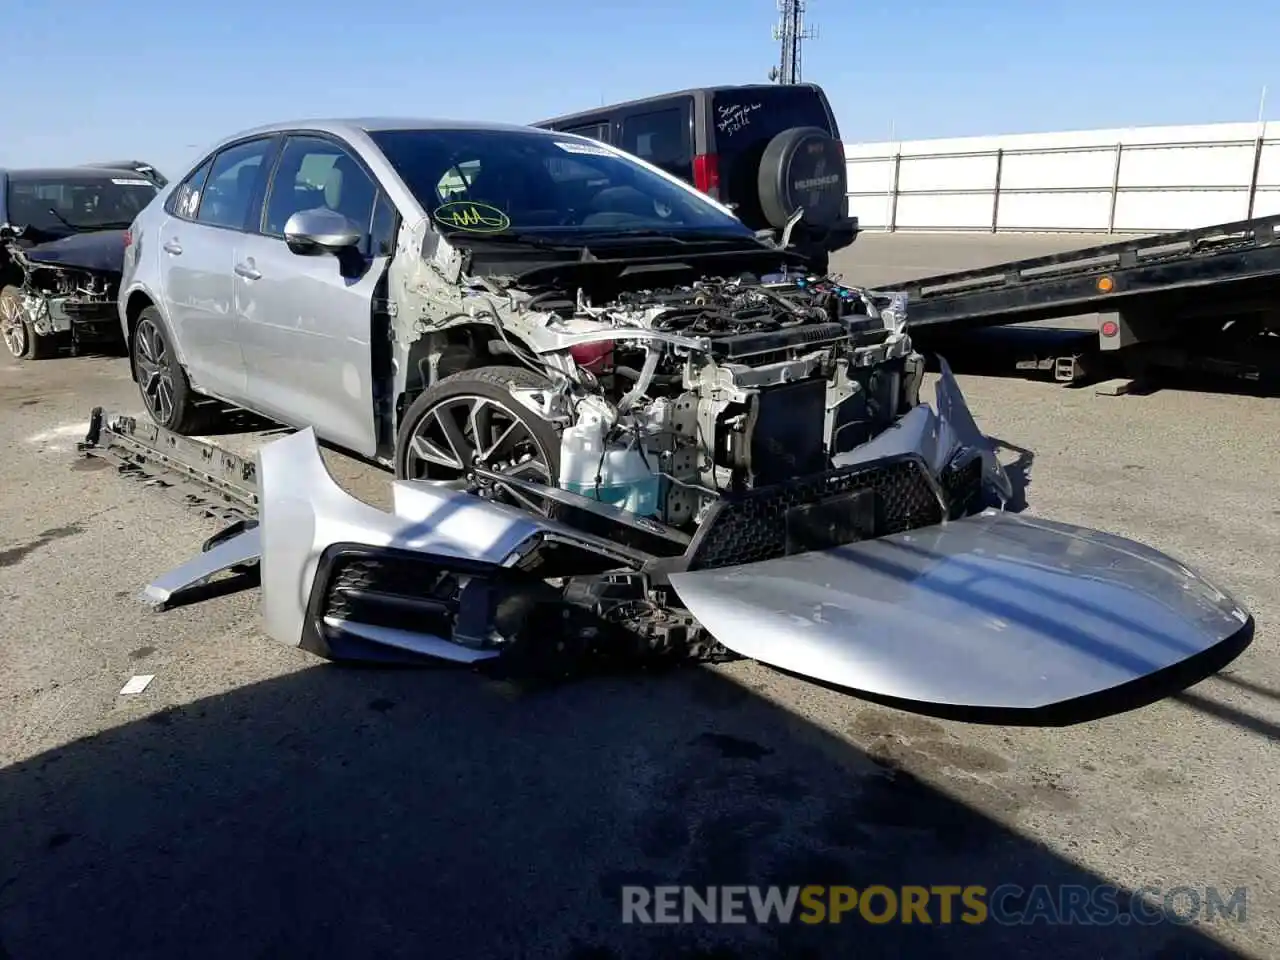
pixel 17 331
pixel 471 419
pixel 166 392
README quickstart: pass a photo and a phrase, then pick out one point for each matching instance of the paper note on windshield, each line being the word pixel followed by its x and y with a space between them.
pixel 121 182
pixel 588 149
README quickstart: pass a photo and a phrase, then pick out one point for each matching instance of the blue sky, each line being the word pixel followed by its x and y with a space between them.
pixel 93 80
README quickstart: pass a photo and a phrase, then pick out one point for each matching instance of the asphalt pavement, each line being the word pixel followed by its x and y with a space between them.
pixel 255 802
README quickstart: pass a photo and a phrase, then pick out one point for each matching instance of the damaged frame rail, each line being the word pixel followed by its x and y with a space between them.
pixel 987 616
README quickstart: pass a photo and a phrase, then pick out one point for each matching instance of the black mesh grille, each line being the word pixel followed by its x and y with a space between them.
pixel 962 487
pixel 392 592
pixel 753 526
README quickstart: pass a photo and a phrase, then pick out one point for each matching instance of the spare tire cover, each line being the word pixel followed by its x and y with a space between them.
pixel 803 167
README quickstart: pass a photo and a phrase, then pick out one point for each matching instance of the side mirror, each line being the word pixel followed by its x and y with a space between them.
pixel 320 230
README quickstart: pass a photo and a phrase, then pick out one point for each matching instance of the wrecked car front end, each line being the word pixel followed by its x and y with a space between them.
pixel 67 292
pixel 63 234
pixel 993 616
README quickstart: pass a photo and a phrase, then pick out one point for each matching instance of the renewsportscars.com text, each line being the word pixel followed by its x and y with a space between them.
pixel 1008 904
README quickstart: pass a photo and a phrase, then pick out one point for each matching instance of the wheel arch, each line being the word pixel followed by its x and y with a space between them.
pixel 135 302
pixel 466 345
pixel 11 274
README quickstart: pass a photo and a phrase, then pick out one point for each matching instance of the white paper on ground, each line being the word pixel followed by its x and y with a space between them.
pixel 137 684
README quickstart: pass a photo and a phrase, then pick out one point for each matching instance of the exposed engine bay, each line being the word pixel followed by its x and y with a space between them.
pixel 666 399
pixel 741 385
pixel 67 292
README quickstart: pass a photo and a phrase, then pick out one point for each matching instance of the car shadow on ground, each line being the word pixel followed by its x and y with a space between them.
pixel 227 421
pixel 409 813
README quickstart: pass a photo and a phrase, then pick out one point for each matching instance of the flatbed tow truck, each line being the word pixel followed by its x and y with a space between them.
pixel 1205 300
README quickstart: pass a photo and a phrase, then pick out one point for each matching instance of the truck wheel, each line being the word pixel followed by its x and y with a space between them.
pixel 166 391
pixel 470 418
pixel 19 334
pixel 803 167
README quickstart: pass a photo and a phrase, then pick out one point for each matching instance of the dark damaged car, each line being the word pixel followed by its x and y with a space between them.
pixel 63 234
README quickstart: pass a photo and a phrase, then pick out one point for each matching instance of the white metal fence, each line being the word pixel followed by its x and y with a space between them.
pixel 1145 180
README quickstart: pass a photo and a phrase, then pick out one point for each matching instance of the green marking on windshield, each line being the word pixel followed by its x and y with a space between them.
pixel 472 217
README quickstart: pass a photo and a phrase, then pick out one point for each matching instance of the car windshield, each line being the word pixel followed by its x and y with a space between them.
pixel 514 182
pixel 61 205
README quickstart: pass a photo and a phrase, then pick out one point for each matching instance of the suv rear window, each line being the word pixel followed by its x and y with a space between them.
pixel 751 118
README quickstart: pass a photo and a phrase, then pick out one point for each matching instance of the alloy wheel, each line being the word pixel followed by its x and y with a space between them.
pixel 151 358
pixel 13 326
pixel 461 433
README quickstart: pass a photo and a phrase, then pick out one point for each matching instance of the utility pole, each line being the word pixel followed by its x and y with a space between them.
pixel 790 31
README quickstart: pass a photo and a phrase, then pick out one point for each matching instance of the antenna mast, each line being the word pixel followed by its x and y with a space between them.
pixel 790 31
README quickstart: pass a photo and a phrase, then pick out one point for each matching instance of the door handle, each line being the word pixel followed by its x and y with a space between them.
pixel 174 247
pixel 248 271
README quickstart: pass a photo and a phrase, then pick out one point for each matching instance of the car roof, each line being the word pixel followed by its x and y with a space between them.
pixel 345 127
pixel 120 165
pixel 690 92
pixel 69 173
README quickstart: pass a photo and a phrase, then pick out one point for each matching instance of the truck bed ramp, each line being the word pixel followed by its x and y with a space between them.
pixel 1239 259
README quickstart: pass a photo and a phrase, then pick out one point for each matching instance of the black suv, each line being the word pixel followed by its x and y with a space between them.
pixel 764 150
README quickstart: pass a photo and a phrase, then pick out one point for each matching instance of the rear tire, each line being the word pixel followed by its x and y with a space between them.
pixel 18 333
pixel 166 392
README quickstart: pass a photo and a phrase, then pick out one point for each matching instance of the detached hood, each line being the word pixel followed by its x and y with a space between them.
pixel 99 250
pixel 998 613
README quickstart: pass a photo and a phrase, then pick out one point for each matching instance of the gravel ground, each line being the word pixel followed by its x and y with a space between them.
pixel 253 802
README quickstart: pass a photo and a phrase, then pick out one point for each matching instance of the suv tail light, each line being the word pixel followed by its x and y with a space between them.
pixel 706 174
pixel 128 238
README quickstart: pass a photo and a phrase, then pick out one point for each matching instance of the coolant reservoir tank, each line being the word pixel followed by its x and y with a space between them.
pixel 618 471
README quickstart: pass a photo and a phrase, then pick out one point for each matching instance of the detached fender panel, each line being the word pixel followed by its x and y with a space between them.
pixel 348 581
pixel 303 512
pixel 995 612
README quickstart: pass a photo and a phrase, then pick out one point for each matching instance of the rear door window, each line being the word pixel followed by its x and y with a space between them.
pixel 744 121
pixel 662 136
pixel 596 131
pixel 234 185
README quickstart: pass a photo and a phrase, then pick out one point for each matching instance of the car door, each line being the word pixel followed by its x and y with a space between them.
pixel 197 240
pixel 307 319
